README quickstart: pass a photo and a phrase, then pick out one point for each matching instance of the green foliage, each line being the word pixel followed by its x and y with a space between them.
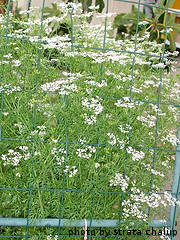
pixel 153 25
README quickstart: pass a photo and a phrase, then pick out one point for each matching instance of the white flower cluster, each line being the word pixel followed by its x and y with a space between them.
pixel 16 63
pixel 151 200
pixel 159 65
pixel 84 15
pixel 13 158
pixel 18 174
pixel 73 171
pixel 119 180
pixel 140 61
pixel 49 237
pixel 166 30
pixel 155 188
pixel 97 165
pixel 90 120
pixel 64 85
pixel 94 7
pixel 56 42
pixel 175 113
pixel 86 152
pixel 64 7
pixel 136 155
pixel 5 114
pixel 115 140
pixel 171 200
pixel 61 86
pixel 143 23
pixel 106 15
pixel 126 102
pixel 171 138
pixel 55 152
pixel 165 163
pixel 9 55
pixel 40 131
pixel 149 168
pixel 148 121
pixel 112 57
pixel 150 84
pixel 96 84
pixel 136 90
pixel 8 89
pixel 155 172
pixel 127 128
pixel 133 209
pixel 20 126
pixel 93 104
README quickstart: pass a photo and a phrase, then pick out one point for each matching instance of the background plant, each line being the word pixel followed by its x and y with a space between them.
pixel 56 11
pixel 126 23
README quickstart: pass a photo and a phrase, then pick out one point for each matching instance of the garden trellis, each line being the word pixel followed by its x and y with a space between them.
pixel 87 125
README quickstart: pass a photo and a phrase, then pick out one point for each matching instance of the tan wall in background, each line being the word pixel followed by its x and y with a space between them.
pixel 116 7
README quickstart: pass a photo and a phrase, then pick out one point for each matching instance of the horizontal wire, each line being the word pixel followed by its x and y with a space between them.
pixel 79 191
pixel 91 144
pixel 103 97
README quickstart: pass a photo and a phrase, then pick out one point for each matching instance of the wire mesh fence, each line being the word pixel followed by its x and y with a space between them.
pixel 90 127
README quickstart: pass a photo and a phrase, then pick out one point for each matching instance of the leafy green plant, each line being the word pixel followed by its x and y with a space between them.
pixel 126 23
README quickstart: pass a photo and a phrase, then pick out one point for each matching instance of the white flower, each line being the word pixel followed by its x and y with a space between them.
pixel 13 158
pixel 16 63
pixel 171 138
pixel 97 165
pixel 90 120
pixel 126 102
pixel 6 113
pixel 118 179
pixel 18 175
pixel 171 200
pixel 115 140
pixel 136 155
pixel 94 7
pixel 108 15
pixel 148 121
pixel 93 104
pixel 59 155
pixel 143 23
pixel 86 152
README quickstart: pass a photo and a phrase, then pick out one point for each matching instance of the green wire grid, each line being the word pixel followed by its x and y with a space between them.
pixel 91 223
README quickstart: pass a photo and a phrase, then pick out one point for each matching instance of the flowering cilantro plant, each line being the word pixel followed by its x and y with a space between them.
pixel 88 116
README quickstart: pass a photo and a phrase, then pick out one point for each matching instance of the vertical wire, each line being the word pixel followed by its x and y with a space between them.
pixel 29 4
pixel 28 8
pixel 34 127
pixel 131 85
pixel 99 119
pixel 3 72
pixel 65 126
